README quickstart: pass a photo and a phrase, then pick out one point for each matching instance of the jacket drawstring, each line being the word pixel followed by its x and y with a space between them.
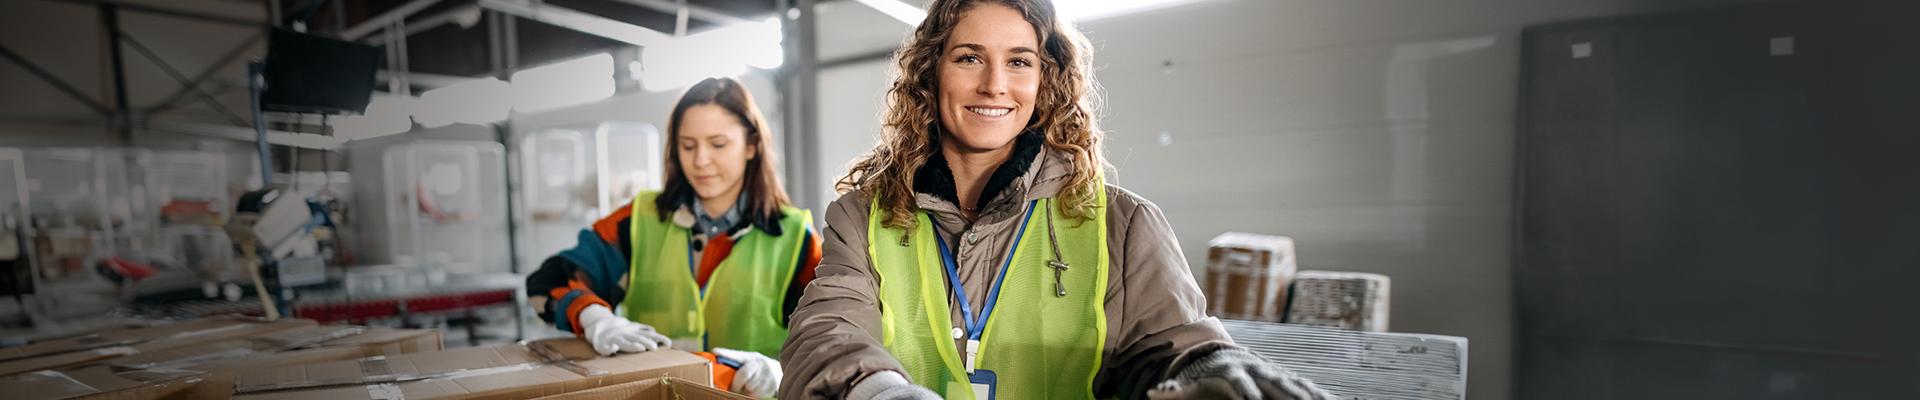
pixel 1058 266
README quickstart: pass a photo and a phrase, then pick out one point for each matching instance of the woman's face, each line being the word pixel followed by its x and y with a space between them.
pixel 713 152
pixel 988 73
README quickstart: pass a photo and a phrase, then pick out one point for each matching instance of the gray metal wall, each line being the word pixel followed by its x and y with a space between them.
pixel 1709 212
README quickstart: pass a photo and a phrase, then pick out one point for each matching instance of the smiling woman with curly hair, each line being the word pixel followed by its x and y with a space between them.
pixel 977 251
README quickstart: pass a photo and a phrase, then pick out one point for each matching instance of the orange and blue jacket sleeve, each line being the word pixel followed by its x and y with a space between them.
pixel 587 274
pixel 574 298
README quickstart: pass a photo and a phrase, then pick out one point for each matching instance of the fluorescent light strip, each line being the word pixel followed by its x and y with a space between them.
pixel 898 10
pixel 1085 10
pixel 579 21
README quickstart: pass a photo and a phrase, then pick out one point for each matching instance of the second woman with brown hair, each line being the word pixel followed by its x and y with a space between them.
pixel 713 263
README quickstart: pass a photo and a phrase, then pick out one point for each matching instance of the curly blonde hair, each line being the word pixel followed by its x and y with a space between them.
pixel 1067 101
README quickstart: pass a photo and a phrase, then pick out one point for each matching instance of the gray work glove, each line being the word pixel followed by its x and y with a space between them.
pixel 889 385
pixel 1237 374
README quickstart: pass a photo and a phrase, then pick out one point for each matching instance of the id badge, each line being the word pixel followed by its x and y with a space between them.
pixel 985 384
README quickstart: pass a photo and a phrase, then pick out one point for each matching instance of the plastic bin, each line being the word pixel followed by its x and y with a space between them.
pixel 434 203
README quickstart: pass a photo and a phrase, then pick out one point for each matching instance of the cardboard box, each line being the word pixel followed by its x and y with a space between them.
pixel 1248 275
pixel 98 382
pixel 318 343
pixel 218 385
pixel 386 341
pixel 374 342
pixel 268 343
pixel 110 338
pixel 186 334
pixel 652 389
pixel 301 338
pixel 222 374
pixel 513 371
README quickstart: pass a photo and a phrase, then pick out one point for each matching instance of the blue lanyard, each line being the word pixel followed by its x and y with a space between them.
pixel 977 325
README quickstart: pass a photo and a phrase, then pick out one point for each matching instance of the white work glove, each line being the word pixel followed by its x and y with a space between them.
pixel 757 377
pixel 610 333
pixel 1236 374
pixel 889 385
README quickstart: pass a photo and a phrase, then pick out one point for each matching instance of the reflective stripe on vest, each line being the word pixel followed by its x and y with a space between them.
pixel 743 304
pixel 1040 346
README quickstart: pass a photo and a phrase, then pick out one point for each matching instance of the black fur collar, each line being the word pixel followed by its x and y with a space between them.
pixel 936 178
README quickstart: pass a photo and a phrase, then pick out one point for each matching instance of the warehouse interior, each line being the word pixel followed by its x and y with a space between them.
pixel 1470 199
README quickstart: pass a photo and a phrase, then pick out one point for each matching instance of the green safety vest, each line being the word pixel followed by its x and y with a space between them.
pixel 1039 346
pixel 743 306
